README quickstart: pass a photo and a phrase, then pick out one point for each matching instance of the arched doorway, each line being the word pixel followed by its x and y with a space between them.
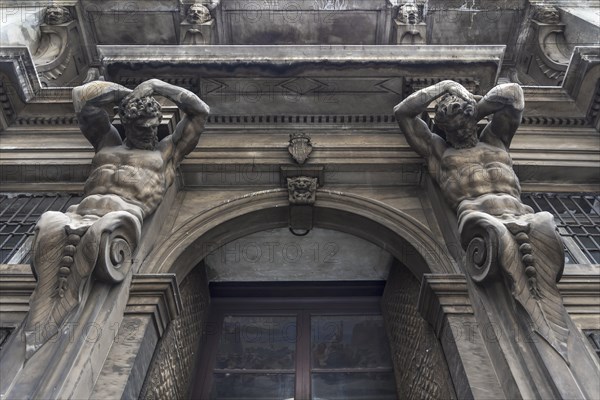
pixel 406 240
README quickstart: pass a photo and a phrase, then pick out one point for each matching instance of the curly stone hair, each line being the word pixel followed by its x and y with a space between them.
pixel 452 113
pixel 142 108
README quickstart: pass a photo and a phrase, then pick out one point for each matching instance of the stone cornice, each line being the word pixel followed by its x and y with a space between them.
pixel 16 285
pixel 447 294
pixel 563 111
pixel 581 296
pixel 322 54
pixel 155 294
pixel 441 295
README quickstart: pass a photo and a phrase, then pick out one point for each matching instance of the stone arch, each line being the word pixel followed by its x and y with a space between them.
pixel 408 240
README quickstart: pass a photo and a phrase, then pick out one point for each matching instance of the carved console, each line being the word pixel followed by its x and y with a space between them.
pixel 301 182
pixel 199 26
pixel 547 51
pixel 302 192
pixel 67 249
pixel 59 58
pixel 409 24
pixel 516 263
pixel 528 253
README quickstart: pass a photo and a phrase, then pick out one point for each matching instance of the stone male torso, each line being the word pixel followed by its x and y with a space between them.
pixel 140 177
pixel 466 174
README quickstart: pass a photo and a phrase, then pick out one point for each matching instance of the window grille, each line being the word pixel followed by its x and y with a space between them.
pixel 4 334
pixel 577 216
pixel 593 336
pixel 18 215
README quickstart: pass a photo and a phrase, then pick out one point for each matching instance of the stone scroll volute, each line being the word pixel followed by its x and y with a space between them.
pixel 96 240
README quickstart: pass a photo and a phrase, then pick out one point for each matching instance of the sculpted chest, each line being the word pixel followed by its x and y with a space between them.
pixel 123 157
pixel 482 155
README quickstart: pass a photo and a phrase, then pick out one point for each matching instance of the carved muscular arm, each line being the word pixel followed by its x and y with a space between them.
pixel 506 102
pixel 89 101
pixel 188 130
pixel 419 137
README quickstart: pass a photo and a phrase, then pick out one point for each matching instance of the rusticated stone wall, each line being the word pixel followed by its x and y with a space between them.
pixel 169 375
pixel 419 365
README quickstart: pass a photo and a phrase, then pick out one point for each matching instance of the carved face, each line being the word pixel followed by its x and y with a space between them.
pixel 302 190
pixel 56 15
pixel 547 15
pixel 409 13
pixel 198 14
pixel 143 133
pixel 457 118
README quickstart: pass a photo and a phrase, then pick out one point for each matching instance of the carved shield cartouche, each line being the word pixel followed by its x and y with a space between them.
pixel 300 147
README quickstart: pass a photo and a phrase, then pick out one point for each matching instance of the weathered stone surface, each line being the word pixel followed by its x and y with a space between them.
pixel 365 22
pixel 277 255
pixel 101 234
pixel 154 302
pixel 508 247
pixel 419 363
pixel 127 183
pixel 170 373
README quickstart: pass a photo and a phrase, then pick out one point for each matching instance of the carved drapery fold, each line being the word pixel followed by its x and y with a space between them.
pixel 528 251
pixel 67 249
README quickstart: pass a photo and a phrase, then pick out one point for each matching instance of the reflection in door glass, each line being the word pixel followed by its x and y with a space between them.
pixel 349 342
pixel 257 343
pixel 350 359
pixel 255 358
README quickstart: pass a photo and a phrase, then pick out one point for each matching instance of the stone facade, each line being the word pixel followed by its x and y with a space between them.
pixel 300 140
pixel 419 363
pixel 170 373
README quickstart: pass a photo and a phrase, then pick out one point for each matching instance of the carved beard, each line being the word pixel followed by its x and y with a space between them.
pixel 138 144
pixel 462 140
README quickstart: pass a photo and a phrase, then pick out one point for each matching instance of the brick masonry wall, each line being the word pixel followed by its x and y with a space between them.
pixel 419 364
pixel 169 375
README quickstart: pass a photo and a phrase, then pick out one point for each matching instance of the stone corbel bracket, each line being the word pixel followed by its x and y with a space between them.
pixel 302 183
pixel 444 302
pixel 59 58
pixel 198 27
pixel 154 302
pixel 302 192
pixel 66 251
pixel 156 295
pixel 409 24
pixel 551 52
pixel 528 252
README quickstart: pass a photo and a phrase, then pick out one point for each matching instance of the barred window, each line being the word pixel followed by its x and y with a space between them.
pixel 593 336
pixel 577 216
pixel 4 334
pixel 18 215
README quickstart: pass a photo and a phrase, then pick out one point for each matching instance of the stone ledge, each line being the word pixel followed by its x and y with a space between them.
pixel 155 294
pixel 16 285
pixel 447 294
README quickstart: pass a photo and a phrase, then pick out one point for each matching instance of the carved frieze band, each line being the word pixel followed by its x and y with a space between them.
pixel 312 119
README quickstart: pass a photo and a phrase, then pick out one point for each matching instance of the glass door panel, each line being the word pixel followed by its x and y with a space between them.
pixel 247 386
pixel 255 358
pixel 350 358
pixel 353 386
